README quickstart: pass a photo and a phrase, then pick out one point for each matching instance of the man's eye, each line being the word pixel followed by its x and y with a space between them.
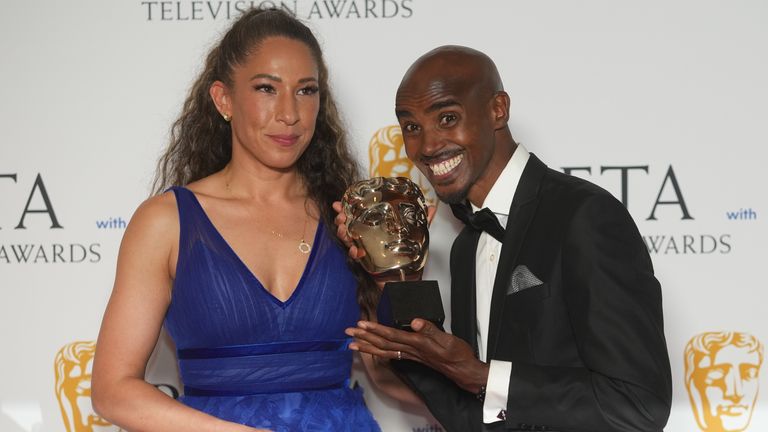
pixel 447 119
pixel 410 128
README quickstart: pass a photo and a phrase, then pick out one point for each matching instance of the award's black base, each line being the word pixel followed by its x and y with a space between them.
pixel 401 302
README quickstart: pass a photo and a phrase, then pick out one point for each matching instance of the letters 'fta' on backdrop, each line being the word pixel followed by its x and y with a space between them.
pixel 662 103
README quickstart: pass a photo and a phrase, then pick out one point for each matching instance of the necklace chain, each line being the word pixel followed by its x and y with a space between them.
pixel 303 247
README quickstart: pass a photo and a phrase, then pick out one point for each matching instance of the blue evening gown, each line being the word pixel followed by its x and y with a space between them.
pixel 247 357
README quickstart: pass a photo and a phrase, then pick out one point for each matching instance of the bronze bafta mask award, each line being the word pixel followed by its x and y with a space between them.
pixel 386 217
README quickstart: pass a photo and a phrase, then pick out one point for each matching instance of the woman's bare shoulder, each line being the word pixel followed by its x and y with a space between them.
pixel 159 209
pixel 156 218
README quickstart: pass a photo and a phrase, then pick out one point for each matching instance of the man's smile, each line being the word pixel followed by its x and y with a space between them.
pixel 442 168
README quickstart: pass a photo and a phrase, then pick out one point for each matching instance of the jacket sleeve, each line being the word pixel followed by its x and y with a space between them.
pixel 614 308
pixel 455 409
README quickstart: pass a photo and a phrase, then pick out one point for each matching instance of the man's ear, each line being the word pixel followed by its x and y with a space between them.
pixel 500 109
pixel 220 96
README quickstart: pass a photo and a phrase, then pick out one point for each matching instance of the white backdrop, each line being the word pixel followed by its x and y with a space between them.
pixel 90 88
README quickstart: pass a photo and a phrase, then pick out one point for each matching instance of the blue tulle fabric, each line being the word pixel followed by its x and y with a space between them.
pixel 247 357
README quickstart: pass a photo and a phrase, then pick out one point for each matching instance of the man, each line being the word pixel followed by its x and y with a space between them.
pixel 721 376
pixel 557 321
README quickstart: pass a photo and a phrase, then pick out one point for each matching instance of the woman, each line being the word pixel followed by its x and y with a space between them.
pixel 240 264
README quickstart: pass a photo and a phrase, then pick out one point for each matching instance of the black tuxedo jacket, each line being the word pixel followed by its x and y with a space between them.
pixel 587 345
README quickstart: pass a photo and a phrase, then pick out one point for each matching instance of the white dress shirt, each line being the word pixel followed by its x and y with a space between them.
pixel 499 200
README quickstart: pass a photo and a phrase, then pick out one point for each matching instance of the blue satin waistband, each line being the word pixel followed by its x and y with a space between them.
pixel 267 348
pixel 265 368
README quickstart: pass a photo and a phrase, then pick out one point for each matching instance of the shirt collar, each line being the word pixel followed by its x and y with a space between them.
pixel 499 198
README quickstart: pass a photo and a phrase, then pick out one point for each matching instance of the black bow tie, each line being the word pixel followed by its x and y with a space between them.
pixel 481 220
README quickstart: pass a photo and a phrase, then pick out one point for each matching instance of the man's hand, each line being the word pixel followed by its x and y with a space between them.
pixel 427 344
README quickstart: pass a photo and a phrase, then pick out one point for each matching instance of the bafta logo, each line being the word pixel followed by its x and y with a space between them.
pixel 72 366
pixel 388 159
pixel 721 377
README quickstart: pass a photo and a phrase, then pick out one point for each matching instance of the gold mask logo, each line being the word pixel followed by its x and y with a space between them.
pixel 721 377
pixel 387 158
pixel 73 366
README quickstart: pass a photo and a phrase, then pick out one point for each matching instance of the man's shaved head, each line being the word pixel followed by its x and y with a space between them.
pixel 453 65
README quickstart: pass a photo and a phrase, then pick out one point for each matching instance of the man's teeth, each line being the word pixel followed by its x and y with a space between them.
pixel 446 166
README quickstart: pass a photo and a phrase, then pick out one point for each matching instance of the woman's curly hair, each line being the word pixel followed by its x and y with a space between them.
pixel 201 140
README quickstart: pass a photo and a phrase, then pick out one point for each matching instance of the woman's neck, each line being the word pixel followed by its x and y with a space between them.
pixel 261 183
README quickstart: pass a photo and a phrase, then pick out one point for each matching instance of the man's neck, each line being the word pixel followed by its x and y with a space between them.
pixel 482 186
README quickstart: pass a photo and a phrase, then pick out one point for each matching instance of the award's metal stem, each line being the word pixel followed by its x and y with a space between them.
pixel 402 275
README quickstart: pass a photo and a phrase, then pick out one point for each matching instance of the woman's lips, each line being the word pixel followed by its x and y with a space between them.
pixel 285 140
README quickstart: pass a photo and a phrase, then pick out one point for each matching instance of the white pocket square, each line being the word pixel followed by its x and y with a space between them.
pixel 522 279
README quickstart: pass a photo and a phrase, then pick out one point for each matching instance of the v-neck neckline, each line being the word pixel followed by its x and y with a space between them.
pixel 247 269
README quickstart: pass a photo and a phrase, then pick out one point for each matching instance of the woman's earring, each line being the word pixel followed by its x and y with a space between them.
pixel 227 117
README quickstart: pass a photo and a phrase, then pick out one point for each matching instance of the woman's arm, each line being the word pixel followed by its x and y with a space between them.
pixel 132 323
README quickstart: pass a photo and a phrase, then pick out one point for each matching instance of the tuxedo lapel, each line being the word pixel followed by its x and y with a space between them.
pixel 521 213
pixel 463 309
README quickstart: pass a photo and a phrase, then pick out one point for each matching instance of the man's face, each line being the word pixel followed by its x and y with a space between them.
pixel 386 218
pixel 727 383
pixel 448 128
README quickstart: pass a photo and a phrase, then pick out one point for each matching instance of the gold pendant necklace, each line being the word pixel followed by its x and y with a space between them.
pixel 304 247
